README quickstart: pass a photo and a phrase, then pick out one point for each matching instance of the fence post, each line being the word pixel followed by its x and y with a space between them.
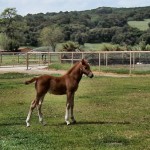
pixel 59 58
pixel 106 57
pixel 130 63
pixel 13 60
pixel 133 60
pixel 72 58
pixel 139 57
pixel 49 58
pixel 39 57
pixel 0 59
pixel 82 55
pixel 27 61
pixel 122 57
pixel 18 57
pixel 99 63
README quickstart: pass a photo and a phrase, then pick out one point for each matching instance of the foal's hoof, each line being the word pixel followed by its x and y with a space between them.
pixel 74 122
pixel 44 124
pixel 28 125
pixel 68 123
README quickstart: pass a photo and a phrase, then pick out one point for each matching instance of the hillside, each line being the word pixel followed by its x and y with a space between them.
pixel 103 24
pixel 123 26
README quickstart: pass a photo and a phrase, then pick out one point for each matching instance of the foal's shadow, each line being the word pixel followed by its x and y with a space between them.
pixel 14 121
pixel 102 122
pixel 11 124
pixel 99 123
pixel 77 123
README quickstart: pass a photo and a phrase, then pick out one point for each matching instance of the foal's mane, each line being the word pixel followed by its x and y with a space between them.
pixel 74 66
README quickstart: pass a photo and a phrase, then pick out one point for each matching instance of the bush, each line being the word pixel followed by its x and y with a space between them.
pixel 4 42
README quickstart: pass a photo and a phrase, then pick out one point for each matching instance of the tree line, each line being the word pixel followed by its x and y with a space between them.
pixel 103 24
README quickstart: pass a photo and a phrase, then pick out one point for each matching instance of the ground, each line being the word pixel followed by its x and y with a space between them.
pixel 43 70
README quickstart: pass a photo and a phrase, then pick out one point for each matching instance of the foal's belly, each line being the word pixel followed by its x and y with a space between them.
pixel 57 86
pixel 57 91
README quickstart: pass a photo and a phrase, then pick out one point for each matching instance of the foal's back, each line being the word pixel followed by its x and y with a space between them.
pixel 51 84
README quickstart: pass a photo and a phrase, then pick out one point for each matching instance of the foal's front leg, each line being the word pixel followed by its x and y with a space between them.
pixel 69 107
pixel 72 116
pixel 67 113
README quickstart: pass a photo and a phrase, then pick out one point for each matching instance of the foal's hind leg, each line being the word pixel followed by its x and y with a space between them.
pixel 39 105
pixel 33 105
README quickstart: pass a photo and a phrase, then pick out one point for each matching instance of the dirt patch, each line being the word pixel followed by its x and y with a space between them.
pixel 43 70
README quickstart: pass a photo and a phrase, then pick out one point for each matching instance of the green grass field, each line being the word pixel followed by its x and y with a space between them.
pixel 96 46
pixel 87 47
pixel 142 25
pixel 111 113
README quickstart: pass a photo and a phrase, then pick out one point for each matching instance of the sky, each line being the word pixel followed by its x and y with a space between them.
pixel 25 7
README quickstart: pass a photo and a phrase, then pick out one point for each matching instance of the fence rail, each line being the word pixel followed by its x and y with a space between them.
pixel 101 61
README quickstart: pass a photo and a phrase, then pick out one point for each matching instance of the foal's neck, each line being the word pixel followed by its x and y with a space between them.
pixel 75 72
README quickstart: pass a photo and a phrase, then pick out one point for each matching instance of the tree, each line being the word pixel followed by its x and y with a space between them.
pixel 51 36
pixel 4 41
pixel 149 24
pixel 13 26
pixel 81 38
pixel 70 47
pixel 7 18
pixel 127 35
pixel 145 37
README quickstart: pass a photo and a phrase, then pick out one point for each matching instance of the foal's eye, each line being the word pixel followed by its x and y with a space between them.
pixel 86 68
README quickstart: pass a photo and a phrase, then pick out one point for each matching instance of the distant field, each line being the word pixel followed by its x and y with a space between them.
pixel 86 47
pixel 142 25
pixel 95 46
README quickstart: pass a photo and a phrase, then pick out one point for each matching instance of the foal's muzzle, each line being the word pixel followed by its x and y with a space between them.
pixel 90 75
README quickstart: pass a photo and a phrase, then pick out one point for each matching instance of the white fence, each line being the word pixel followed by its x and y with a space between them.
pixel 118 61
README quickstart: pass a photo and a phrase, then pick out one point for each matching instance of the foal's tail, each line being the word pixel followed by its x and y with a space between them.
pixel 30 81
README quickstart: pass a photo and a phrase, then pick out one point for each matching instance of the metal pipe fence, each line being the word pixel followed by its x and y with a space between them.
pixel 108 61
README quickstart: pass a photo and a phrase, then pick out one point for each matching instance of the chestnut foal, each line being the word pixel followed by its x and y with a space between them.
pixel 66 84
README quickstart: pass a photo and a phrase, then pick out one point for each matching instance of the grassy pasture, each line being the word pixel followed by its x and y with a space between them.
pixel 96 46
pixel 142 25
pixel 112 113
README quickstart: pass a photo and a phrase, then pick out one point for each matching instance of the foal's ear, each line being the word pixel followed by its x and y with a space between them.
pixel 83 61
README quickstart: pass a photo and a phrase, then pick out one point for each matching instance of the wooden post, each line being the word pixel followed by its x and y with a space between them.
pixel 122 58
pixel 59 55
pixel 82 55
pixel 0 59
pixel 139 57
pixel 130 63
pixel 133 60
pixel 18 58
pixel 72 58
pixel 27 61
pixel 39 58
pixel 99 63
pixel 49 58
pixel 106 59
pixel 13 60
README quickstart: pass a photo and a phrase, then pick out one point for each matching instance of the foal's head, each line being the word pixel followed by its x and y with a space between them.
pixel 85 68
